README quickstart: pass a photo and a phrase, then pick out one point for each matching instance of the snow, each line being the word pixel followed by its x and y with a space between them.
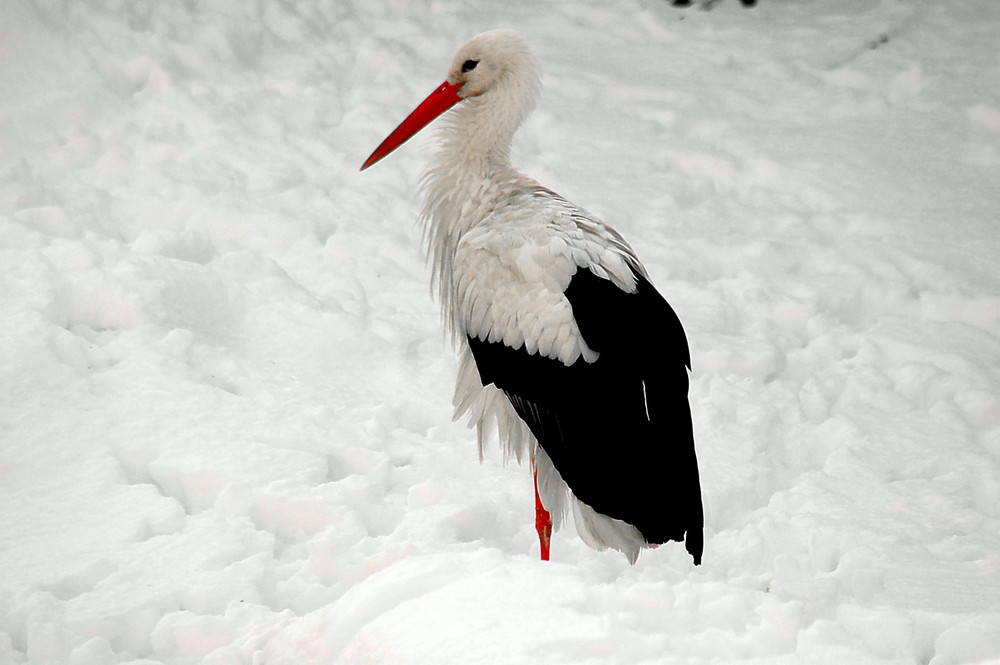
pixel 225 420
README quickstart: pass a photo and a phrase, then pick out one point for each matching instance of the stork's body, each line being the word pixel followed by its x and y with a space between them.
pixel 566 348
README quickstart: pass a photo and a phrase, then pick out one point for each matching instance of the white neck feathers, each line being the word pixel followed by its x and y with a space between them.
pixel 471 169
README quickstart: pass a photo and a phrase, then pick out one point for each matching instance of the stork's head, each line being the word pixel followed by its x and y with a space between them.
pixel 487 60
pixel 495 64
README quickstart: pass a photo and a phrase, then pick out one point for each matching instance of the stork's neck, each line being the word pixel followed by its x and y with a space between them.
pixel 478 136
pixel 474 153
pixel 473 156
pixel 471 172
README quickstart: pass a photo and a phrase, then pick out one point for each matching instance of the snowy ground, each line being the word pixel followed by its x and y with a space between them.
pixel 225 427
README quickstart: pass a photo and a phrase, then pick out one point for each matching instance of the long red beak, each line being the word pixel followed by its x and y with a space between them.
pixel 436 103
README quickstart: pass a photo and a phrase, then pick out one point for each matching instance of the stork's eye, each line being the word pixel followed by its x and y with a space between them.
pixel 469 65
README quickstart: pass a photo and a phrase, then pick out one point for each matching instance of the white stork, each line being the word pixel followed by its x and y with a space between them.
pixel 565 345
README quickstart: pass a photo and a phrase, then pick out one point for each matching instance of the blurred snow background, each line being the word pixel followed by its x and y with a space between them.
pixel 225 427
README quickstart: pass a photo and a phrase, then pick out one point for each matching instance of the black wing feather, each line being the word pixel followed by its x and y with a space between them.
pixel 618 430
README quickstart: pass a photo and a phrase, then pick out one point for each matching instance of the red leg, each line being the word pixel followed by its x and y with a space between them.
pixel 543 520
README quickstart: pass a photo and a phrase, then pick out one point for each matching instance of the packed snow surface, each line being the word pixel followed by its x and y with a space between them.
pixel 225 394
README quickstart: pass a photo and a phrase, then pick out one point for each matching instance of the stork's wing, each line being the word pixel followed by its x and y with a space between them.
pixel 618 430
